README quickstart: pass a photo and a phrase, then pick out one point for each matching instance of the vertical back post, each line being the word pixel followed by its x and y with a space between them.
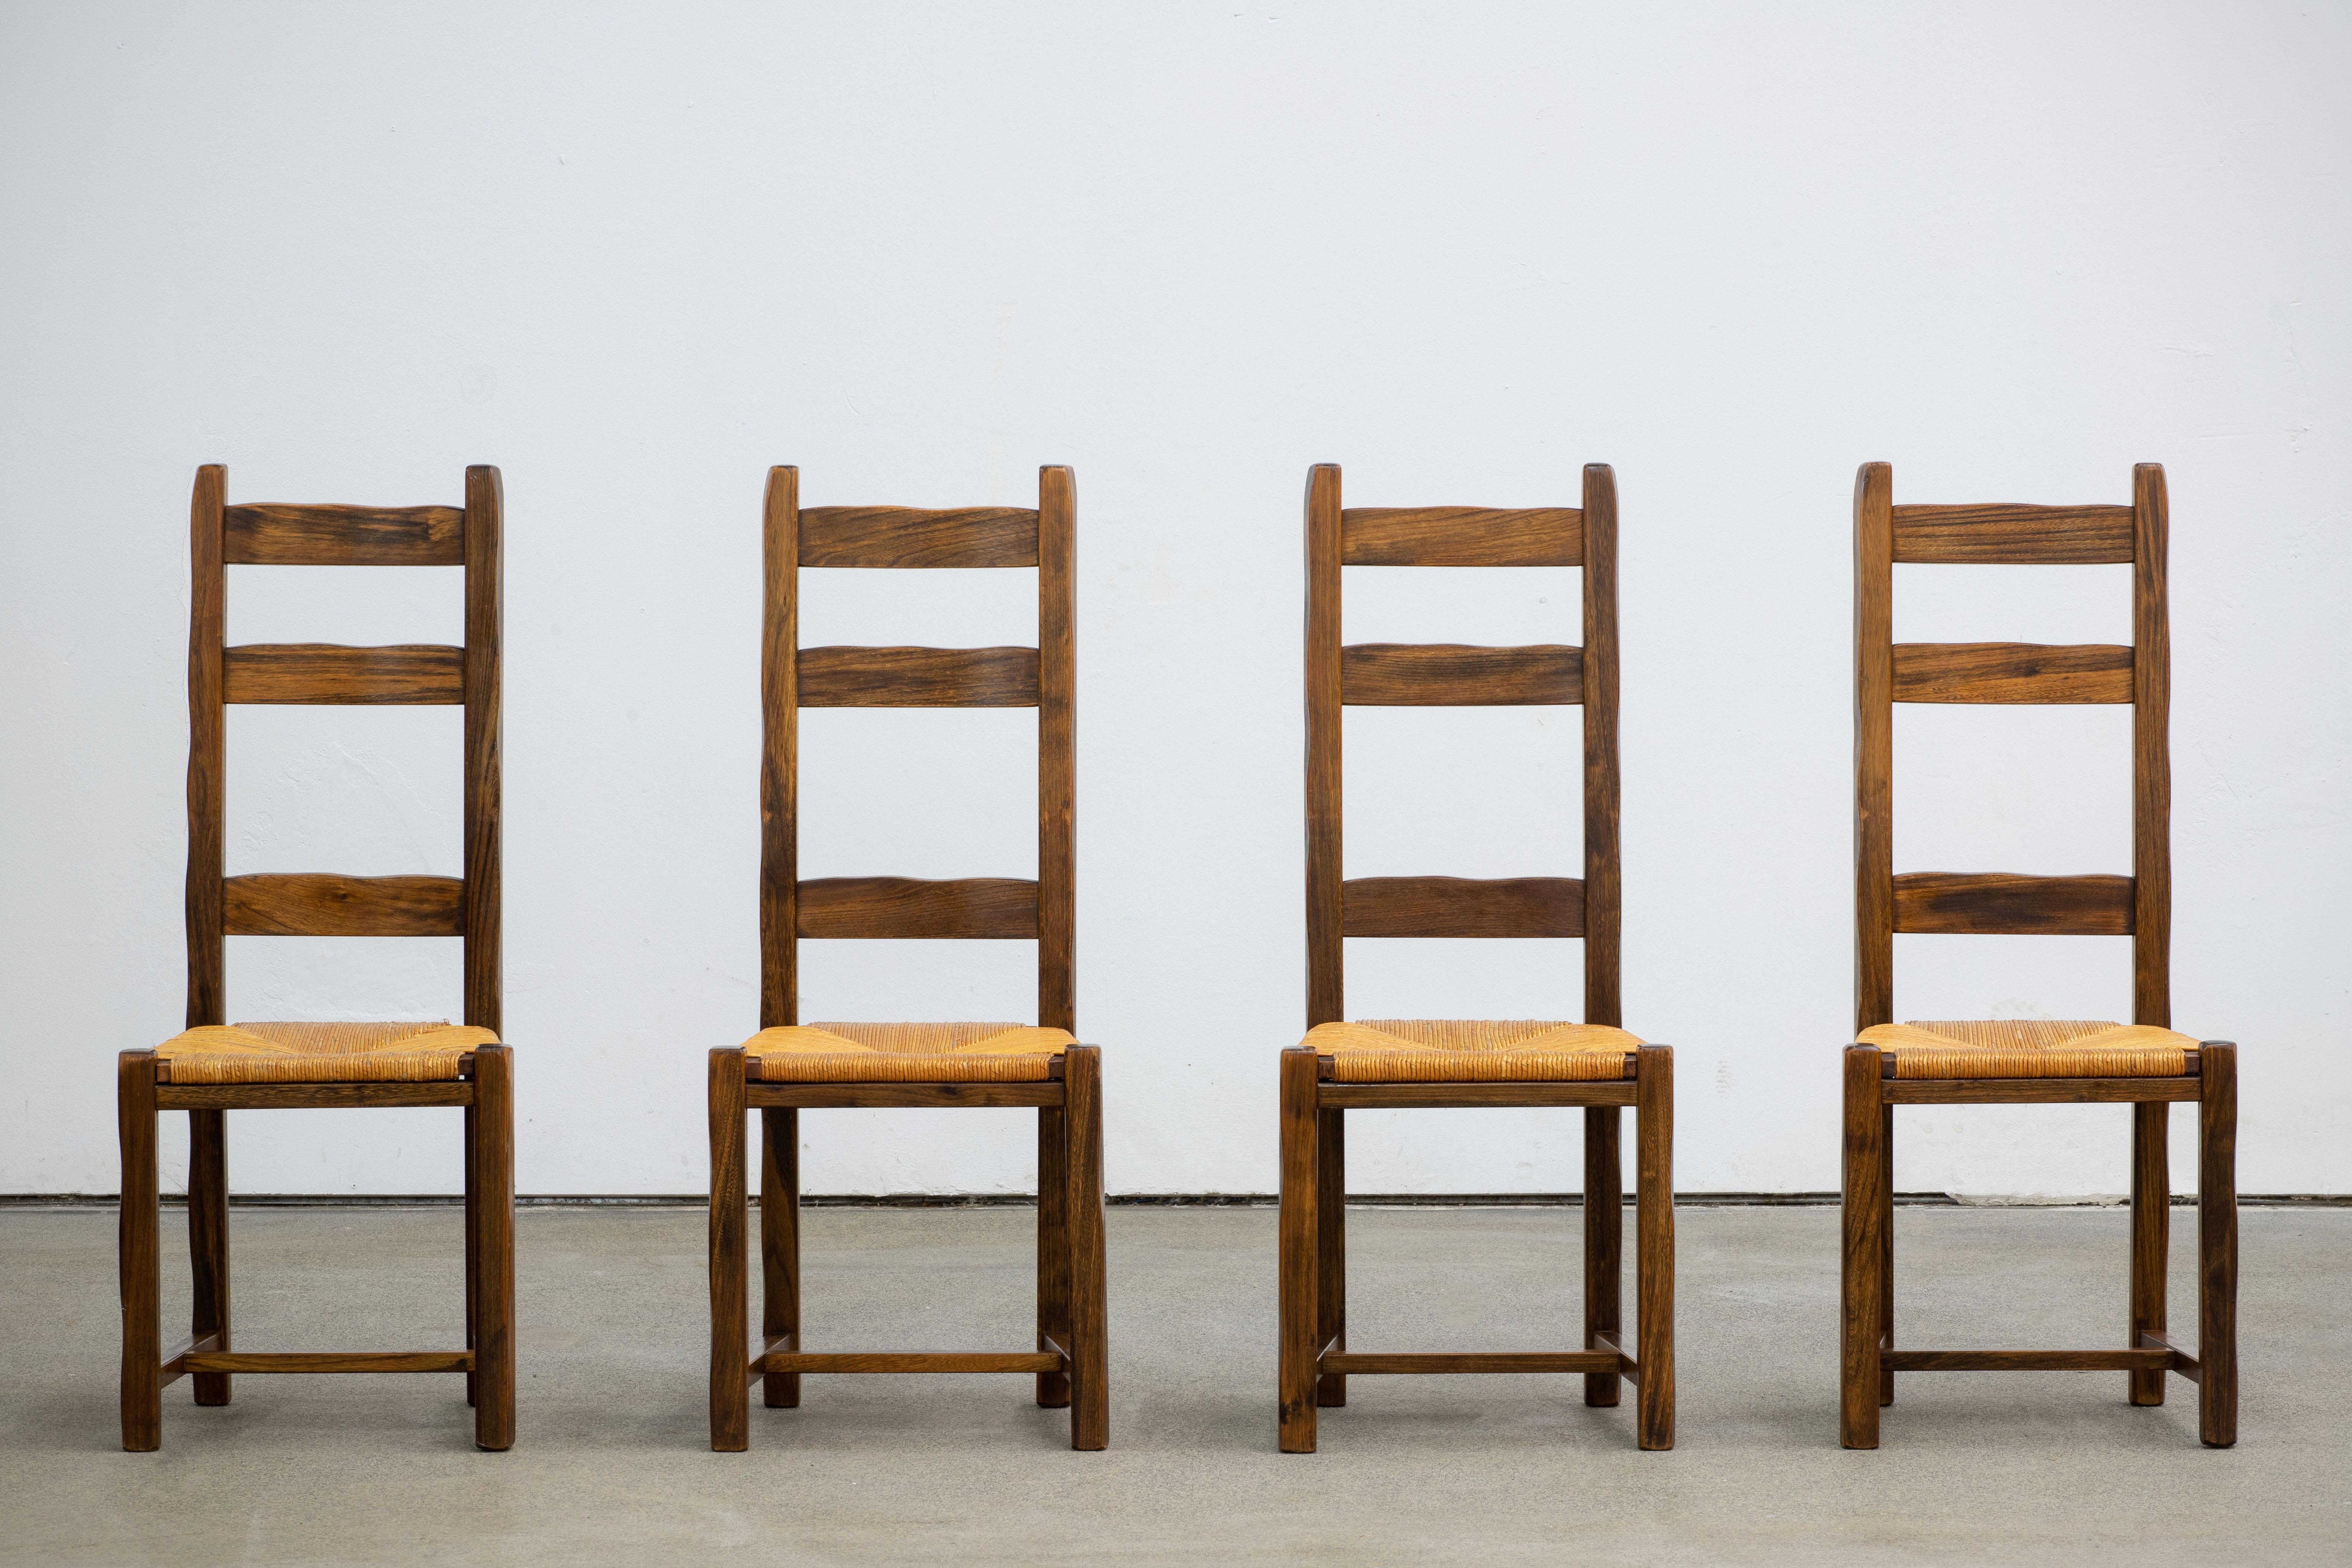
pixel 1874 746
pixel 780 754
pixel 485 617
pixel 207 747
pixel 1057 749
pixel 2151 755
pixel 1325 952
pixel 1603 1001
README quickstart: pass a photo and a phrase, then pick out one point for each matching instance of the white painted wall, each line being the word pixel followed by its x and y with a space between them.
pixel 636 255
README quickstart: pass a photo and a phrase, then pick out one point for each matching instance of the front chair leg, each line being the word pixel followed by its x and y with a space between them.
pixel 143 1386
pixel 494 1284
pixel 1861 1214
pixel 2217 1244
pixel 1295 1412
pixel 731 1315
pixel 1089 1310
pixel 1653 1219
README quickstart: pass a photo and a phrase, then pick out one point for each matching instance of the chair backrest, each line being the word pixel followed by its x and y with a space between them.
pixel 1044 677
pixel 1452 675
pixel 1885 672
pixel 326 903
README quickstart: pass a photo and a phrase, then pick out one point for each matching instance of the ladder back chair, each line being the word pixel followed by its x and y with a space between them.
pixel 213 1066
pixel 787 1065
pixel 2143 1063
pixel 1427 1062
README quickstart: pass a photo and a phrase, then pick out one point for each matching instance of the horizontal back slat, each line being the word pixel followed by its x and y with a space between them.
pixel 906 536
pixel 323 903
pixel 2011 672
pixel 326 672
pixel 2004 904
pixel 343 536
pixel 919 677
pixel 1431 675
pixel 1462 906
pixel 1461 536
pixel 969 908
pixel 2006 535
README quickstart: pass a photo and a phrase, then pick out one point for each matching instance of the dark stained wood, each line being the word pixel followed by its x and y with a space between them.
pixel 1331 1249
pixel 2011 672
pixel 224 1361
pixel 1654 1220
pixel 837 1096
pixel 1299 1226
pixel 1602 892
pixel 730 1323
pixel 175 1359
pixel 485 534
pixel 1626 1365
pixel 972 907
pixel 780 1250
pixel 1461 536
pixel 1874 755
pixel 323 903
pixel 1885 1244
pixel 2151 754
pixel 1463 906
pixel 473 1209
pixel 1326 952
pixel 1474 1361
pixel 346 536
pixel 1604 1246
pixel 2151 1213
pixel 2217 1244
pixel 207 749
pixel 907 536
pixel 1057 787
pixel 1089 1342
pixel 208 1243
pixel 1456 674
pixel 2182 1361
pixel 2005 902
pixel 1457 1096
pixel 143 1388
pixel 493 1360
pixel 408 673
pixel 780 753
pixel 2035 1091
pixel 310 1096
pixel 1861 1213
pixel 790 1363
pixel 1053 1250
pixel 2012 535
pixel 2156 1361
pixel 918 676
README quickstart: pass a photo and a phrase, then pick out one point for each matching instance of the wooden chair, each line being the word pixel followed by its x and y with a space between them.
pixel 1423 1062
pixel 213 1067
pixel 2006 1062
pixel 787 1066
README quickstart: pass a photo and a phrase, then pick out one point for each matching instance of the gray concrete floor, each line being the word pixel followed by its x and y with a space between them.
pixel 612 1465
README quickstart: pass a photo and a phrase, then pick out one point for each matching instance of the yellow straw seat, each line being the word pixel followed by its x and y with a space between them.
pixel 2032 1047
pixel 321 1053
pixel 904 1052
pixel 1472 1051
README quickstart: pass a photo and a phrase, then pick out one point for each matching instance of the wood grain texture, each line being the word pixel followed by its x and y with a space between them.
pixel 1330 1250
pixel 970 908
pixel 1456 674
pixel 1463 906
pixel 2006 535
pixel 1057 768
pixel 794 1363
pixel 224 1361
pixel 1461 536
pixel 405 674
pixel 324 903
pixel 137 1255
pixel 731 1319
pixel 1089 1343
pixel 2007 903
pixel 779 751
pixel 1604 1246
pixel 1873 753
pixel 1654 1220
pixel 1861 1218
pixel 208 1315
pixel 1052 1391
pixel 207 749
pixel 175 1359
pixel 1298 1227
pixel 493 1360
pixel 2028 1361
pixel 1602 891
pixel 1325 952
pixel 2011 672
pixel 839 1096
pixel 919 677
pixel 310 1096
pixel 2036 1090
pixel 1472 1363
pixel 346 536
pixel 2151 1222
pixel 2217 1244
pixel 1457 1095
pixel 907 536
pixel 485 554
pixel 780 1250
pixel 2151 752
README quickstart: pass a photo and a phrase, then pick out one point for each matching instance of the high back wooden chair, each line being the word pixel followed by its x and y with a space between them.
pixel 213 1066
pixel 1390 1063
pixel 2144 1064
pixel 788 1065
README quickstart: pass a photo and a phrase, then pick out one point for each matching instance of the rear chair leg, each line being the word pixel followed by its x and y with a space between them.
pixel 731 1314
pixel 2217 1244
pixel 1295 1408
pixel 1861 1218
pixel 1053 1249
pixel 1604 1244
pixel 143 1386
pixel 780 1250
pixel 494 1282
pixel 1089 1310
pixel 208 1241
pixel 1331 1249
pixel 1654 1216
pixel 2151 1200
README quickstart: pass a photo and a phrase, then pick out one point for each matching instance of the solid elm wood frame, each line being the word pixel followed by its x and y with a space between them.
pixel 1315 1360
pixel 2139 906
pixel 1071 1361
pixel 317 904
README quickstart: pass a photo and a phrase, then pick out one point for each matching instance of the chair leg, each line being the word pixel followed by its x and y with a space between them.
pixel 1653 1217
pixel 1861 1219
pixel 473 1253
pixel 2217 1244
pixel 494 1275
pixel 1604 1244
pixel 143 1386
pixel 1294 1411
pixel 1053 1249
pixel 1886 1249
pixel 1331 1249
pixel 1089 1310
pixel 208 1241
pixel 2151 1201
pixel 780 1250
pixel 731 1318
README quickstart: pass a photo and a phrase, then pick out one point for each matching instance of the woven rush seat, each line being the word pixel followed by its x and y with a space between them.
pixel 905 1053
pixel 1472 1051
pixel 321 1053
pixel 2032 1047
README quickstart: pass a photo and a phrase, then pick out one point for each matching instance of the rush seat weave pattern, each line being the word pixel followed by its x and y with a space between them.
pixel 321 1053
pixel 905 1053
pixel 1472 1051
pixel 2032 1047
